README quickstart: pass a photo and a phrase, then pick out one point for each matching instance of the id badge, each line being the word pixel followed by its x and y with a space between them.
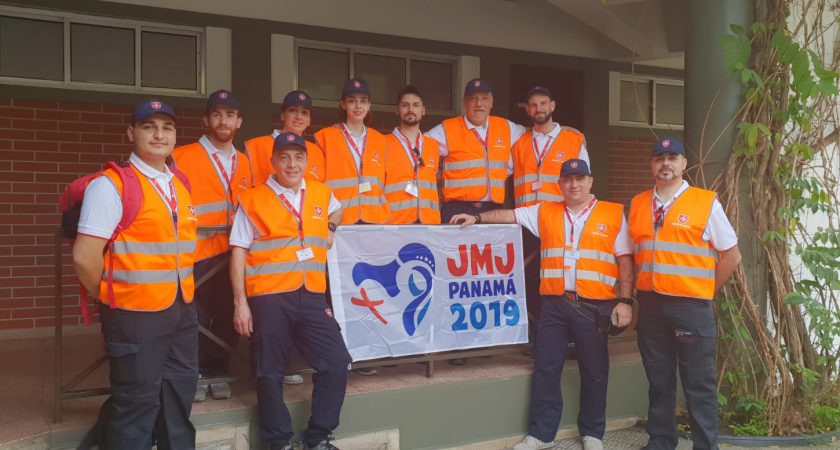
pixel 364 187
pixel 536 185
pixel 411 188
pixel 305 253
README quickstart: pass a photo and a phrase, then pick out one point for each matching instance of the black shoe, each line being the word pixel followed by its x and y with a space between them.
pixel 323 445
pixel 287 446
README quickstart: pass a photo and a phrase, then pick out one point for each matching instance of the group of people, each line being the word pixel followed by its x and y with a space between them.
pixel 255 226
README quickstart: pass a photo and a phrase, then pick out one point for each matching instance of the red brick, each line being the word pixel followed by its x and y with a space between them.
pixel 36 229
pixel 34 187
pixel 80 106
pixel 17 134
pixel 16 324
pixel 16 219
pixel 50 321
pixel 56 157
pixel 23 250
pixel 28 103
pixel 24 292
pixel 47 219
pixel 125 109
pixel 25 313
pixel 114 129
pixel 106 118
pixel 25 166
pixel 80 126
pixel 29 124
pixel 5 144
pixel 85 147
pixel 45 146
pixel 30 270
pixel 16 303
pixel 57 136
pixel 57 115
pixel 17 112
pixel 16 239
pixel 103 138
pixel 80 167
pixel 5 102
pixel 60 178
pixel 17 177
pixel 5 165
pixel 5 123
pixel 12 155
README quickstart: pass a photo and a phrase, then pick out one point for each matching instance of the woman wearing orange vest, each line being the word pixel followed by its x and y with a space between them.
pixel 150 328
pixel 355 158
pixel 676 231
pixel 218 173
pixel 279 244
pixel 476 151
pixel 586 282
pixel 411 165
pixel 295 117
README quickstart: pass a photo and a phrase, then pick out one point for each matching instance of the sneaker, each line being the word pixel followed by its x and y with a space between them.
pixel 323 445
pixel 200 393
pixel 532 443
pixel 367 371
pixel 292 379
pixel 220 391
pixel 287 446
pixel 592 443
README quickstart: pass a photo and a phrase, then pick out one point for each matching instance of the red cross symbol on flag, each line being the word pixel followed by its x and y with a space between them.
pixel 372 304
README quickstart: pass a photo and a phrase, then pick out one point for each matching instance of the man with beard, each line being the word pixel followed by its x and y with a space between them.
pixel 411 163
pixel 537 158
pixel 218 174
pixel 677 232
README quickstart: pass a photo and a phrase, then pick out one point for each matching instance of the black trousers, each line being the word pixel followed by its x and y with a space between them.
pixel 214 300
pixel 153 374
pixel 454 207
pixel 677 333
pixel 301 318
pixel 559 325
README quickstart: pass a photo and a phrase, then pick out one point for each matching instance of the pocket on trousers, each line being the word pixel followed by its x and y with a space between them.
pixel 125 365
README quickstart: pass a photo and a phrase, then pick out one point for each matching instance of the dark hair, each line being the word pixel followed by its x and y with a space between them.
pixel 368 121
pixel 408 89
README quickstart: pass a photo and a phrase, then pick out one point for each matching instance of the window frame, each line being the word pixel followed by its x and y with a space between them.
pixel 379 51
pixel 137 26
pixel 615 100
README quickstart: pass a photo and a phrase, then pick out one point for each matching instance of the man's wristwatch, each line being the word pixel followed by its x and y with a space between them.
pixel 331 226
pixel 626 300
pixel 477 218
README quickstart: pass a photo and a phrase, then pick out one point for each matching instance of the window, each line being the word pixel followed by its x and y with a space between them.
pixel 644 101
pixel 322 70
pixel 88 52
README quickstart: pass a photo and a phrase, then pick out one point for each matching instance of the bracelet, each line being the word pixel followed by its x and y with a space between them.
pixel 331 226
pixel 626 300
pixel 477 218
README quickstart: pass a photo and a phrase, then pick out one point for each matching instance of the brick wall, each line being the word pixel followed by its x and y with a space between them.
pixel 628 167
pixel 43 146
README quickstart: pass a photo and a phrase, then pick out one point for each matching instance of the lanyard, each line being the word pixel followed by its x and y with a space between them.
pixel 660 213
pixel 171 200
pixel 353 142
pixel 483 141
pixel 582 214
pixel 296 213
pixel 234 163
pixel 414 152
pixel 537 154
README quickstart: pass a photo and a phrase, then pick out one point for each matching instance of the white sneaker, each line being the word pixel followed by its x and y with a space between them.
pixel 292 379
pixel 592 443
pixel 532 443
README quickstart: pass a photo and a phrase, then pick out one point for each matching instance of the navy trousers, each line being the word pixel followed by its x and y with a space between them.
pixel 560 323
pixel 678 333
pixel 302 319
pixel 153 372
pixel 214 300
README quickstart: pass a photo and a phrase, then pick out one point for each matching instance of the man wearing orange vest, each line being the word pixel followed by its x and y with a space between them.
pixel 537 158
pixel 149 321
pixel 586 284
pixel 279 242
pixel 476 150
pixel 218 174
pixel 676 231
pixel 411 163
pixel 295 117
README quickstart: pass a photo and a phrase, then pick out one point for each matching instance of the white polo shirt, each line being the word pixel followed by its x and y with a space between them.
pixel 359 140
pixel 529 217
pixel 228 160
pixel 543 139
pixel 243 231
pixel 718 232
pixel 102 206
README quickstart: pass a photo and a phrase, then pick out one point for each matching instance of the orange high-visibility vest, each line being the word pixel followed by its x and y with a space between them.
pixel 259 152
pixel 469 169
pixel 214 205
pixel 674 260
pixel 272 264
pixel 153 257
pixel 400 173
pixel 596 272
pixel 346 181
pixel 527 171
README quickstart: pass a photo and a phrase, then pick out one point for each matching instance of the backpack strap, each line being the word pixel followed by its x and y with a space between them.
pixel 132 200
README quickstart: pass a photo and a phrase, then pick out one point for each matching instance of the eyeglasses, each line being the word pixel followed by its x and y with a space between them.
pixel 420 162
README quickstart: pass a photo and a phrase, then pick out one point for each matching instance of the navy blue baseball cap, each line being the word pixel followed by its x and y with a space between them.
pixel 575 167
pixel 288 140
pixel 477 85
pixel 355 86
pixel 668 145
pixel 297 98
pixel 149 107
pixel 222 98
pixel 541 90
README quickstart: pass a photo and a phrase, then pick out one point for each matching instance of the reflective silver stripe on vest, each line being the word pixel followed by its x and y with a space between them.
pixel 399 187
pixel 149 276
pixel 530 178
pixel 153 248
pixel 532 197
pixel 497 183
pixel 470 164
pixel 670 269
pixel 545 197
pixel 363 200
pixel 675 247
pixel 551 253
pixel 597 254
pixel 204 234
pixel 211 207
pixel 547 178
pixel 342 183
pixel 465 182
pixel 596 276
pixel 551 273
pixel 497 165
pixel 270 244
pixel 285 267
pixel 373 180
pixel 409 204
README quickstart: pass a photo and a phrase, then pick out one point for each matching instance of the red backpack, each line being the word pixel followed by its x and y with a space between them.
pixel 70 204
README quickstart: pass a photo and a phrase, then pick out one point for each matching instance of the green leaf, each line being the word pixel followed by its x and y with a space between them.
pixel 794 298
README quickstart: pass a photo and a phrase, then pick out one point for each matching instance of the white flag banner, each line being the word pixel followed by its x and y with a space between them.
pixel 413 289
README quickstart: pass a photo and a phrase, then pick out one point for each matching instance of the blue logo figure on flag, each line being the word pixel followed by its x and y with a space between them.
pixel 414 267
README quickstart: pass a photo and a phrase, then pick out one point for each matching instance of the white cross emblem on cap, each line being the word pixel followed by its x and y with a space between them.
pixel 156 105
pixel 477 83
pixel 223 95
pixel 290 137
pixel 666 143
pixel 357 84
pixel 302 96
pixel 574 164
